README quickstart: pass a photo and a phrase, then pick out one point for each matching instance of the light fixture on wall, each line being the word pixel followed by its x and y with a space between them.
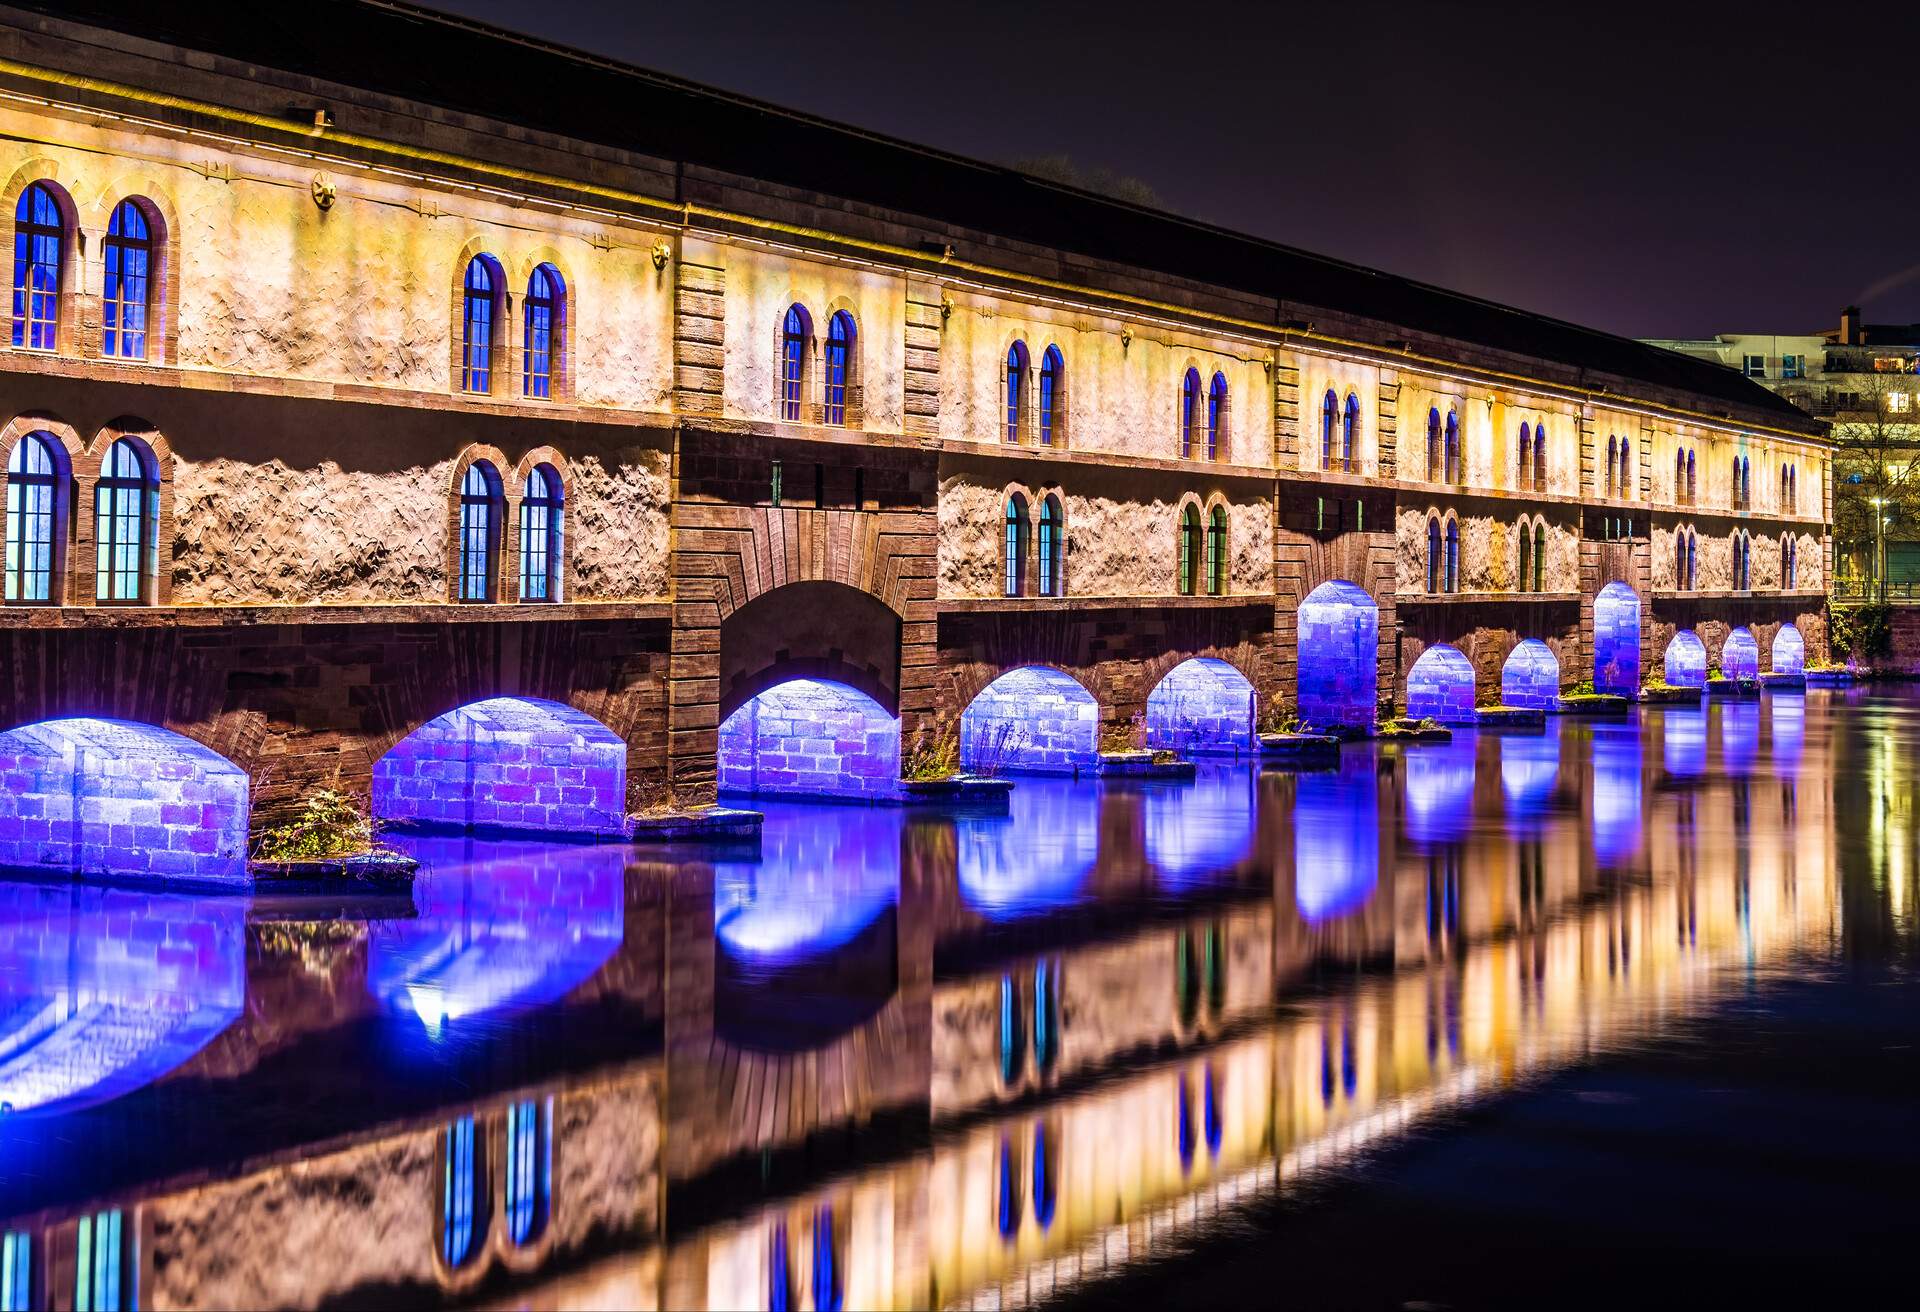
pixel 660 254
pixel 1126 337
pixel 324 192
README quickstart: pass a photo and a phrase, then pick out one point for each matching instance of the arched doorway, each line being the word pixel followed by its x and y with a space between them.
pixel 1202 705
pixel 1789 651
pixel 1616 641
pixel 1339 644
pixel 1686 660
pixel 1034 719
pixel 1440 686
pixel 811 738
pixel 1531 676
pixel 1740 655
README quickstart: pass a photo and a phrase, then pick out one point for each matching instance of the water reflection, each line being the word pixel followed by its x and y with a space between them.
pixel 914 1061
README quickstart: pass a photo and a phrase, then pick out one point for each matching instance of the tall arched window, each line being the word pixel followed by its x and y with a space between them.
pixel 796 334
pixel 1786 488
pixel 126 525
pixel 540 529
pixel 481 301
pixel 1787 562
pixel 1016 390
pixel 39 256
pixel 1453 555
pixel 1329 420
pixel 1693 560
pixel 1739 562
pixel 1539 556
pixel 1526 556
pixel 1526 455
pixel 1216 416
pixel 1052 547
pixel 479 531
pixel 1746 481
pixel 1613 461
pixel 127 289
pixel 1217 552
pixel 1540 457
pixel 1349 427
pixel 545 311
pixel 837 370
pixel 1692 487
pixel 1680 558
pixel 529 1183
pixel 1680 475
pixel 1053 395
pixel 1623 483
pixel 1189 412
pixel 1190 549
pixel 1455 467
pixel 1016 545
pixel 1434 566
pixel 1433 445
pixel 34 501
pixel 1734 491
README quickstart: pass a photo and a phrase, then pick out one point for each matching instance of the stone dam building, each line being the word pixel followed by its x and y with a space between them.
pixel 400 404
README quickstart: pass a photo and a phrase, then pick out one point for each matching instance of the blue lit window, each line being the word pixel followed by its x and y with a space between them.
pixel 1007 1200
pixel 529 1169
pixel 829 1284
pixel 1190 550
pixel 837 374
pixel 462 1193
pixel 1451 582
pixel 1526 454
pixel 1433 553
pixel 1613 461
pixel 126 294
pixel 102 1276
pixel 1046 1171
pixel 1053 395
pixel 1013 1038
pixel 1329 418
pixel 1217 552
pixel 1211 1119
pixel 1189 412
pixel 33 501
pixel 546 319
pixel 1691 493
pixel 1046 1015
pixel 479 531
pixel 1183 1124
pixel 126 518
pixel 540 539
pixel 1348 429
pixel 1016 545
pixel 1433 445
pixel 796 333
pixel 1456 469
pixel 1016 390
pixel 16 1272
pixel 1053 582
pixel 1216 415
pixel 39 252
pixel 480 300
pixel 1540 457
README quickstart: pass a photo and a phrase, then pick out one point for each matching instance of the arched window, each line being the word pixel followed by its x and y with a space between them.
pixel 796 333
pixel 1540 457
pixel 540 554
pixel 1526 454
pixel 126 525
pixel 1693 560
pixel 1526 556
pixel 479 531
pixel 1787 562
pixel 1053 395
pixel 1347 431
pixel 1190 549
pixel 1453 555
pixel 1216 416
pixel 462 1193
pixel 481 299
pixel 127 289
pixel 1329 417
pixel 1016 545
pixel 39 254
pixel 1433 554
pixel 1680 475
pixel 1433 445
pixel 1189 412
pixel 1052 542
pixel 1680 558
pixel 1786 488
pixel 104 1273
pixel 1734 491
pixel 1692 492
pixel 529 1183
pixel 546 320
pixel 1613 460
pixel 1016 390
pixel 1455 466
pixel 837 371
pixel 1623 483
pixel 1217 552
pixel 1739 562
pixel 34 501
pixel 1539 556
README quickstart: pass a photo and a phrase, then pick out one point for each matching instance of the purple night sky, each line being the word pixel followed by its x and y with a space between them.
pixel 1662 172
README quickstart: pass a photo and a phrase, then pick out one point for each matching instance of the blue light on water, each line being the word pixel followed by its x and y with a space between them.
pixel 1616 795
pixel 1683 741
pixel 1336 841
pixel 1739 735
pixel 1440 790
pixel 1037 858
pixel 1529 772
pixel 1198 834
pixel 824 875
pixel 1789 718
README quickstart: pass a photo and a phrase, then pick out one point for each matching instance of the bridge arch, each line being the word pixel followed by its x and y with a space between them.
pixel 1686 660
pixel 1789 655
pixel 1616 641
pixel 1339 653
pixel 814 738
pixel 1440 686
pixel 1203 704
pixel 1740 655
pixel 1531 676
pixel 1035 719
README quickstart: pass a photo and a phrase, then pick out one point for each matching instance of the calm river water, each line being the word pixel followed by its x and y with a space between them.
pixel 1624 1011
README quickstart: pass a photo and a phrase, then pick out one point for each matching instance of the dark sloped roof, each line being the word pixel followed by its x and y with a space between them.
pixel 456 64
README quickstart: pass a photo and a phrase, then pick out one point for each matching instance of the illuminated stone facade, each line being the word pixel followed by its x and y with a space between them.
pixel 708 425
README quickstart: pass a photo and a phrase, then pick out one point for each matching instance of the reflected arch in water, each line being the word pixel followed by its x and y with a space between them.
pixel 1531 676
pixel 1683 741
pixel 1739 735
pixel 117 797
pixel 1339 643
pixel 1032 720
pixel 1202 705
pixel 1789 654
pixel 1198 833
pixel 1788 716
pixel 1439 790
pixel 510 765
pixel 1686 660
pixel 1740 656
pixel 1529 771
pixel 811 738
pixel 1616 794
pixel 1036 858
pixel 1336 841
pixel 1440 686
pixel 104 992
pixel 1616 641
pixel 497 925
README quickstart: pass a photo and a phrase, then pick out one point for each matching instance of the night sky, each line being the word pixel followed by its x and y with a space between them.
pixel 1673 171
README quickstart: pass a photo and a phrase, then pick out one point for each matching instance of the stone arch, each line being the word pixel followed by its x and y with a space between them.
pixel 1202 704
pixel 157 205
pixel 1035 719
pixel 1440 686
pixel 816 629
pixel 521 765
pixel 1530 677
pixel 1685 664
pixel 1339 640
pixel 812 738
pixel 1740 655
pixel 1616 640
pixel 1789 654
pixel 90 795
